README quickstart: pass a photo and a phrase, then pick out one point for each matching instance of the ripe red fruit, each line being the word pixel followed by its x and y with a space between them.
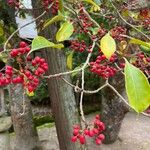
pixel 22 44
pixel 86 132
pixel 95 131
pixel 30 89
pixel 21 50
pixel 27 49
pixel 101 137
pixel 75 132
pixel 37 59
pixel 34 63
pixel 97 117
pixel 98 141
pixel 27 73
pixel 82 139
pixel 91 133
pixel 14 52
pixel 74 139
pixel 40 70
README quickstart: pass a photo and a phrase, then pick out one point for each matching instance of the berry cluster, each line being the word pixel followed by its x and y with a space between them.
pixel 86 23
pixel 102 66
pixel 94 132
pixel 29 72
pixel 54 8
pixel 117 31
pixel 13 3
pixel 142 62
pixel 78 46
pixel 23 49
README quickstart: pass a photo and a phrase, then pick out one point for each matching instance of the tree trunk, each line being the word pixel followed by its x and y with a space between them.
pixel 113 109
pixel 61 95
pixel 26 135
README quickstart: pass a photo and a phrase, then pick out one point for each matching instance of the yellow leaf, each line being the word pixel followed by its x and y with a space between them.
pixel 70 60
pixel 108 45
pixel 65 31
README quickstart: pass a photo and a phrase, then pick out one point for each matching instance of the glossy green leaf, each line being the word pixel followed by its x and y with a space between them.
pixel 40 42
pixel 137 88
pixel 65 31
pixel 108 45
pixel 52 20
pixel 70 60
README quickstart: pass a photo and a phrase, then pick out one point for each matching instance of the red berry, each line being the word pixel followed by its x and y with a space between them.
pixel 76 131
pixel 98 141
pixel 74 139
pixel 82 139
pixel 22 44
pixel 86 132
pixel 97 117
pixel 101 137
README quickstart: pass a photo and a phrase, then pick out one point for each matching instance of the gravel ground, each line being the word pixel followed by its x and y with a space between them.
pixel 134 135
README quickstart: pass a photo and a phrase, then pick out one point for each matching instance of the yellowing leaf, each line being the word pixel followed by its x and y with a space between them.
pixel 108 45
pixel 70 60
pixel 65 31
pixel 137 88
pixel 52 20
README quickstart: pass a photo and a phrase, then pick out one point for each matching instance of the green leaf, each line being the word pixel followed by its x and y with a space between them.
pixel 108 45
pixel 52 20
pixel 140 42
pixel 137 87
pixel 70 60
pixel 65 31
pixel 40 42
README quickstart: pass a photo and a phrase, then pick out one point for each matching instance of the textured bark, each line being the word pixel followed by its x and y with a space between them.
pixel 61 95
pixel 26 135
pixel 113 109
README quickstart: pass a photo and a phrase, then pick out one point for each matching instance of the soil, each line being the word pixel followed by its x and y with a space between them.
pixel 134 135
